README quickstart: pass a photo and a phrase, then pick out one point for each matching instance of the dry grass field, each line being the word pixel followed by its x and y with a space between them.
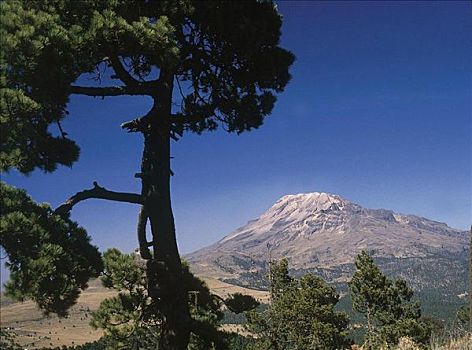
pixel 223 289
pixel 34 330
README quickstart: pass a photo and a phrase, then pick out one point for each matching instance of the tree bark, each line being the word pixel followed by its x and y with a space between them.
pixel 164 270
pixel 98 192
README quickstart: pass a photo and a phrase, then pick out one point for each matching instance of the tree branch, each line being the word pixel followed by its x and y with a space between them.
pixel 111 90
pixel 121 72
pixel 181 119
pixel 137 125
pixel 98 192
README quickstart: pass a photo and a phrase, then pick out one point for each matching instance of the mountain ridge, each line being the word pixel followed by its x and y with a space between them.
pixel 322 233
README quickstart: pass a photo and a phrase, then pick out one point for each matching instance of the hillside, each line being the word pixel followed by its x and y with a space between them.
pixel 317 232
pixel 322 233
pixel 34 330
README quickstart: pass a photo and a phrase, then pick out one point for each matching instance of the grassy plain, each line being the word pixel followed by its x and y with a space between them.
pixel 34 330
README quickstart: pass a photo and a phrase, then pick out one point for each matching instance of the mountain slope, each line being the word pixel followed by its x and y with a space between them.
pixel 323 233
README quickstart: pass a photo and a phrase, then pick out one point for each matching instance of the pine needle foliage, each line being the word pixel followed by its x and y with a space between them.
pixel 386 304
pixel 224 56
pixel 203 64
pixel 131 322
pixel 50 257
pixel 301 314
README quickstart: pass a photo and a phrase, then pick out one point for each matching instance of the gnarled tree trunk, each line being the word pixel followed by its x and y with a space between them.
pixel 164 270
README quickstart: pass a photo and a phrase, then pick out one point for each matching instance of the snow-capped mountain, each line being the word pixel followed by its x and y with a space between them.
pixel 323 233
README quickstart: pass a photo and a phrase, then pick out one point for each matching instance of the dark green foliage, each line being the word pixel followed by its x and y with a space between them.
pixel 222 78
pixel 238 77
pixel 120 315
pixel 439 305
pixel 126 317
pixel 7 340
pixel 101 344
pixel 239 303
pixel 203 63
pixel 133 320
pixel 386 304
pixel 302 314
pixel 279 279
pixel 36 67
pixel 236 341
pixel 50 257
pixel 146 340
pixel 463 317
pixel 434 325
pixel 437 280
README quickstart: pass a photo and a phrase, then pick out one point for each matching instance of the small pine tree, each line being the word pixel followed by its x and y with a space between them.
pixel 130 319
pixel 302 314
pixel 386 304
pixel 7 340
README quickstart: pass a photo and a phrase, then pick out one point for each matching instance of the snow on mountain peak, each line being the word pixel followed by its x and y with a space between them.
pixel 290 209
pixel 322 229
pixel 305 203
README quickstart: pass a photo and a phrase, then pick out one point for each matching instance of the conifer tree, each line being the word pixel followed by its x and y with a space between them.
pixel 386 304
pixel 204 64
pixel 50 256
pixel 129 319
pixel 301 315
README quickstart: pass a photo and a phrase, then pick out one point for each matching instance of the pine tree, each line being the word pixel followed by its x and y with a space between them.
pixel 130 321
pixel 50 256
pixel 386 304
pixel 203 64
pixel 301 315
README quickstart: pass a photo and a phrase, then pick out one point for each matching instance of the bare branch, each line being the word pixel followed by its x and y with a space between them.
pixel 98 192
pixel 137 90
pixel 137 125
pixel 61 130
pixel 121 72
pixel 180 88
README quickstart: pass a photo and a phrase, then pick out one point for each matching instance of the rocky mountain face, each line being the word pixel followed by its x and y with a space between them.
pixel 322 233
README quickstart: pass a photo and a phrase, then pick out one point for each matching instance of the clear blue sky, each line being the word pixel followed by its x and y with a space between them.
pixel 378 111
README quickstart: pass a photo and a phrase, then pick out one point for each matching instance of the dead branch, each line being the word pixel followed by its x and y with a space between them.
pixel 98 192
